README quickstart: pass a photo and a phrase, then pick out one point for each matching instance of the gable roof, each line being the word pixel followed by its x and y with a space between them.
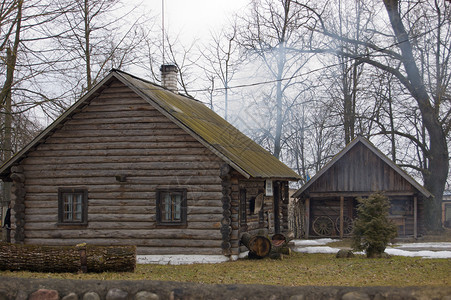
pixel 374 150
pixel 223 139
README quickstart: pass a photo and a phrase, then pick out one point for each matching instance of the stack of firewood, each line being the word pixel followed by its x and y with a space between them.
pixel 260 246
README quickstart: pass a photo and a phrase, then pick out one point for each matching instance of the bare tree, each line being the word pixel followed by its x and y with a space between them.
pixel 96 37
pixel 401 57
pixel 173 51
pixel 223 60
pixel 270 33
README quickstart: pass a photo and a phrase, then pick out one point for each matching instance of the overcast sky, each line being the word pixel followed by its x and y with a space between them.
pixel 195 18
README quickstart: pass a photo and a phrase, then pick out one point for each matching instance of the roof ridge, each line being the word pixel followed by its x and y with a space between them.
pixel 114 70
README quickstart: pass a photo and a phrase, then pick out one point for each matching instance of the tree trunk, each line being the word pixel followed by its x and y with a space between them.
pixel 87 57
pixel 6 101
pixel 437 172
pixel 279 96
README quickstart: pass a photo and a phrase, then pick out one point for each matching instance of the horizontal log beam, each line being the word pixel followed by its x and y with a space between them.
pixel 121 152
pixel 195 198
pixel 209 165
pixel 139 187
pixel 136 225
pixel 171 146
pixel 129 139
pixel 163 234
pixel 148 118
pixel 129 183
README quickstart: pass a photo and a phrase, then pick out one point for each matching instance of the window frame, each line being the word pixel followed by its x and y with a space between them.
pixel 84 206
pixel 183 208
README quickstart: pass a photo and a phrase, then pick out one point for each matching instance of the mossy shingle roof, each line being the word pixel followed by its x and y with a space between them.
pixel 235 148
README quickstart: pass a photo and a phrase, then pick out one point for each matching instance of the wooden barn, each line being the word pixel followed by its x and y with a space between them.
pixel 446 209
pixel 329 199
pixel 134 163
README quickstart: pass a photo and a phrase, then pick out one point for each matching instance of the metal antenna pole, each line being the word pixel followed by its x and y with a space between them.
pixel 162 25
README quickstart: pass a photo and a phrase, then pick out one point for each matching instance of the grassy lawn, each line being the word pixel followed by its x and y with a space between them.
pixel 296 270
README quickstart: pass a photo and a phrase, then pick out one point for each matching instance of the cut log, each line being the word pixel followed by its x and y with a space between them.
pixel 282 250
pixel 279 246
pixel 275 255
pixel 72 259
pixel 111 258
pixel 259 246
pixel 278 240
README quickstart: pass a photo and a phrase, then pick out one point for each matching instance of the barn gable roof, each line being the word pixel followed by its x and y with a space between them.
pixel 223 139
pixel 374 150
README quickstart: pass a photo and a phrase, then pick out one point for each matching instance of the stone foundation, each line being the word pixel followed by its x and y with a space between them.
pixel 33 289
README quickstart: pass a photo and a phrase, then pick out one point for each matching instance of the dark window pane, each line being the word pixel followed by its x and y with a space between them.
pixel 71 205
pixel 171 207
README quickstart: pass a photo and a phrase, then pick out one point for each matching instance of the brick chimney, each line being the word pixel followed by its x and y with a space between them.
pixel 169 77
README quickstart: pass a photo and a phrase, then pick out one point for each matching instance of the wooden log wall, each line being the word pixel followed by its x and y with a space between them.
pixel 120 134
pixel 18 194
pixel 256 223
pixel 284 203
pixel 253 188
pixel 226 222
pixel 234 209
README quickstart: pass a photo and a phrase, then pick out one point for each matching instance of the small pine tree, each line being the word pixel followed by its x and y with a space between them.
pixel 372 229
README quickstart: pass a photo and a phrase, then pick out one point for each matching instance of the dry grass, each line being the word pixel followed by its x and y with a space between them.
pixel 296 270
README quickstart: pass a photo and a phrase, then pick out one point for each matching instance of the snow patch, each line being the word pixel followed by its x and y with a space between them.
pixel 425 245
pixel 420 253
pixel 183 259
pixel 423 250
pixel 318 242
pixel 321 249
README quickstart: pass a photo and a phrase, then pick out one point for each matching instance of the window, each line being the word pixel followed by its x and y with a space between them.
pixel 73 206
pixel 171 207
pixel 268 188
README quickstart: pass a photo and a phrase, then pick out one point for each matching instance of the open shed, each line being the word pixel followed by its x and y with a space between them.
pixel 329 199
pixel 446 209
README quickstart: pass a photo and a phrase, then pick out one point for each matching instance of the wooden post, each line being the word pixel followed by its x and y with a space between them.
pixel 307 217
pixel 443 214
pixel 415 216
pixel 277 194
pixel 226 222
pixel 342 201
pixel 285 202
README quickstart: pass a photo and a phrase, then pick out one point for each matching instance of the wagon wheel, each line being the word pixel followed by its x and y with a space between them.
pixel 348 225
pixel 323 226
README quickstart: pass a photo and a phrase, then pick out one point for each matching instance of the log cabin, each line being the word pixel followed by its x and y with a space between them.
pixel 329 199
pixel 135 163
